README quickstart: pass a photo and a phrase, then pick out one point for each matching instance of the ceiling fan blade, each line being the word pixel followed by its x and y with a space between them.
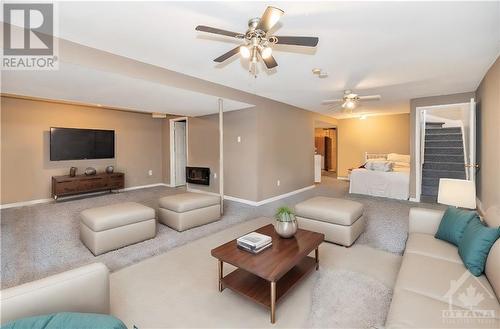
pixel 269 18
pixel 331 101
pixel 214 30
pixel 370 98
pixel 227 55
pixel 298 41
pixel 269 61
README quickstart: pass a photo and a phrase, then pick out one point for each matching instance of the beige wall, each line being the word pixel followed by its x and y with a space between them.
pixel 423 102
pixel 277 143
pixel 375 134
pixel 203 148
pixel 26 169
pixel 488 138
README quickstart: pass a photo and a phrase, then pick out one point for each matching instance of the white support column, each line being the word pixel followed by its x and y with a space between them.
pixel 221 155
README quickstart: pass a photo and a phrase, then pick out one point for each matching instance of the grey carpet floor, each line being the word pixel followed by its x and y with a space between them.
pixel 41 240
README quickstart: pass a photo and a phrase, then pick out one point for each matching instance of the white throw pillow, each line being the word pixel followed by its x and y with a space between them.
pixel 379 165
pixel 395 157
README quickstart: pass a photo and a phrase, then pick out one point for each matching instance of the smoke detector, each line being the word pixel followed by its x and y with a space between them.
pixel 320 73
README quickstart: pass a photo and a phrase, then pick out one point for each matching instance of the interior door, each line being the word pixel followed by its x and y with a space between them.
pixel 471 156
pixel 180 152
pixel 328 153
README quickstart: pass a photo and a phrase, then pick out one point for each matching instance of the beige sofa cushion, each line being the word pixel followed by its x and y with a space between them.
pixel 188 201
pixel 116 215
pixel 492 270
pixel 84 289
pixel 413 310
pixel 428 245
pixel 433 277
pixel 331 210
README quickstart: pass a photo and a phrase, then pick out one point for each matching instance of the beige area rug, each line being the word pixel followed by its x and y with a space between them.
pixel 178 289
pixel 347 299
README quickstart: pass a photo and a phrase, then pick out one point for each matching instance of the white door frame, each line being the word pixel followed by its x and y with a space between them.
pixel 419 142
pixel 172 147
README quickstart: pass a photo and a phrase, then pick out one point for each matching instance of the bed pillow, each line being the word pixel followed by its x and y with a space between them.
pixel 67 320
pixel 395 157
pixel 475 245
pixel 453 224
pixel 379 165
pixel 401 164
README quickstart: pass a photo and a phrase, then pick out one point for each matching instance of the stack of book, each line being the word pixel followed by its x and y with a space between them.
pixel 254 242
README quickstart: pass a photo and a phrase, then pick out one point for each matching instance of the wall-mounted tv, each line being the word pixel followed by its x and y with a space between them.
pixel 79 144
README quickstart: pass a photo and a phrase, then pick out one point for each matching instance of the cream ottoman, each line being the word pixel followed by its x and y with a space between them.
pixel 187 210
pixel 340 220
pixel 118 225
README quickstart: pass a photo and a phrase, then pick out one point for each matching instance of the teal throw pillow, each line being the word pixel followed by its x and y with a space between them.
pixel 453 224
pixel 476 244
pixel 67 320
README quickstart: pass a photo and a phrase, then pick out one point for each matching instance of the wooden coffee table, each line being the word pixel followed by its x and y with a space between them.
pixel 266 277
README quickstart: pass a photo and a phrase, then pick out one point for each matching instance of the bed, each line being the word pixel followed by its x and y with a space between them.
pixel 393 184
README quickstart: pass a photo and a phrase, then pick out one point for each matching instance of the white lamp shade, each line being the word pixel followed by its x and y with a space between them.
pixel 457 192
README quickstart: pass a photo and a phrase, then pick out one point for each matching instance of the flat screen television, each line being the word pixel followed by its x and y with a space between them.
pixel 79 144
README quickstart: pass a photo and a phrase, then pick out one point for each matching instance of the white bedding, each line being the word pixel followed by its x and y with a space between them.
pixel 392 184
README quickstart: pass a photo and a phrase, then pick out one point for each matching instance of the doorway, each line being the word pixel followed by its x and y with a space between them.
pixel 446 146
pixel 178 151
pixel 326 146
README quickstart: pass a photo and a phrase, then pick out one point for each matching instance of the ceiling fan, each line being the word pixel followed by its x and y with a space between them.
pixel 350 100
pixel 257 42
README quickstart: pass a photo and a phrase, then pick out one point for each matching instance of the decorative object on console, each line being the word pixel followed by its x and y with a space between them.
pixel 457 192
pixel 90 171
pixel 72 172
pixel 286 224
pixel 67 185
pixel 109 169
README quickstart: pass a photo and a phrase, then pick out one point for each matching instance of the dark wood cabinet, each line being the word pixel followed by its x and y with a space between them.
pixel 67 185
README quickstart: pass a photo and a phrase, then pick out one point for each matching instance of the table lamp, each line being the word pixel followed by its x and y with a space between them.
pixel 457 192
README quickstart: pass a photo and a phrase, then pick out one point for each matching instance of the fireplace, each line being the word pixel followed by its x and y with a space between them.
pixel 198 175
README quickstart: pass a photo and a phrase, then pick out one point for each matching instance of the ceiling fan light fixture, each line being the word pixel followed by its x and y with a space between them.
pixel 266 52
pixel 349 104
pixel 245 52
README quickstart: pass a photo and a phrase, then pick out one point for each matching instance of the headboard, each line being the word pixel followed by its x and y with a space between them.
pixel 374 156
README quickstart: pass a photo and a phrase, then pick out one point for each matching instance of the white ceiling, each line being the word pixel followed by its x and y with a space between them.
pixel 400 50
pixel 81 84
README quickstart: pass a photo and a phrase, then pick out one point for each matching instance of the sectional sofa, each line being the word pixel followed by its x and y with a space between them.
pixel 434 289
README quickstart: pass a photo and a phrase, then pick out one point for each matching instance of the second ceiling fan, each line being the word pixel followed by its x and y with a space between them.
pixel 350 100
pixel 258 44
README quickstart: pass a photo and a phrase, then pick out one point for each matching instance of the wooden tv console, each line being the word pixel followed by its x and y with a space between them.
pixel 67 185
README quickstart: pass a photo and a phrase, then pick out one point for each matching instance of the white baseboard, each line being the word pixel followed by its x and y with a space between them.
pixel 414 200
pixel 189 189
pixel 343 178
pixel 24 203
pixel 32 202
pixel 142 186
pixel 250 202
pixel 269 200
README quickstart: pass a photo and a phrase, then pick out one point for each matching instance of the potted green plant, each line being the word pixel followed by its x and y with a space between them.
pixel 286 223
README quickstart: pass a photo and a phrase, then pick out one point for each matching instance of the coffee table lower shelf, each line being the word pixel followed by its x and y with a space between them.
pixel 259 290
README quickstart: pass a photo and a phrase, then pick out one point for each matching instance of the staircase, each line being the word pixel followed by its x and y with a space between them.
pixel 443 158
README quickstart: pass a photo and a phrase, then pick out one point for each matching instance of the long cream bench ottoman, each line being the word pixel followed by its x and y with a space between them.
pixel 103 229
pixel 187 210
pixel 340 220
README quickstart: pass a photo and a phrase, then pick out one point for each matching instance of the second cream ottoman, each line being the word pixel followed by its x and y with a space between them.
pixel 186 210
pixel 340 220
